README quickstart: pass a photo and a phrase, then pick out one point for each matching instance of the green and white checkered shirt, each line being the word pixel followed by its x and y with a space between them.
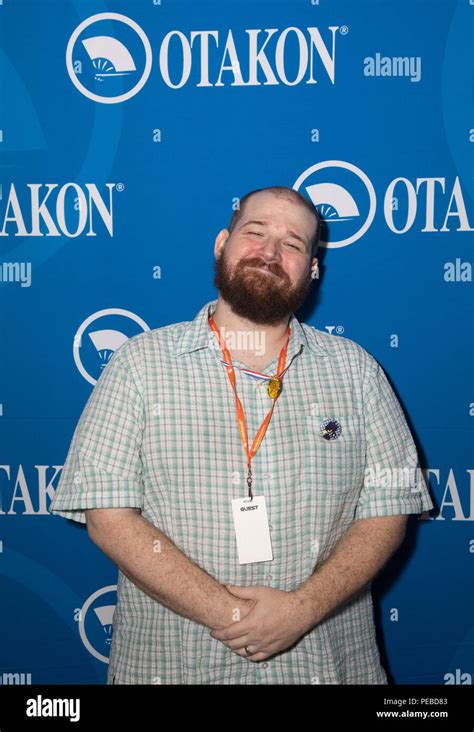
pixel 159 432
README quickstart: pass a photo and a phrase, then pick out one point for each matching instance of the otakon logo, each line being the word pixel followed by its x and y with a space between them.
pixel 108 58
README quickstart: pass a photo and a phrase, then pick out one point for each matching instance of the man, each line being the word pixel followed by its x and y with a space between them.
pixel 226 466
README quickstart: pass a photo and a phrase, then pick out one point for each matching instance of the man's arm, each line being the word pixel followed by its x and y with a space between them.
pixel 155 564
pixel 357 558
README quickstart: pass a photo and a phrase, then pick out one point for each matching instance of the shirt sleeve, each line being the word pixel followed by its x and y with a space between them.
pixel 393 481
pixel 103 468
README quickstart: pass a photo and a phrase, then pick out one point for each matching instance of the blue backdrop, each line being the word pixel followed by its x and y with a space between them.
pixel 129 130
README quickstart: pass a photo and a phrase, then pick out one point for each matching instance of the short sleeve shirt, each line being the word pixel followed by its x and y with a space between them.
pixel 159 433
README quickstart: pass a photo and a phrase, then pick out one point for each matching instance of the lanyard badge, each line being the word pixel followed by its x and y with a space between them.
pixel 250 514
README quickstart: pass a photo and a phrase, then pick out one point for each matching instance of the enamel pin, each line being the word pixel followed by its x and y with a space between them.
pixel 330 429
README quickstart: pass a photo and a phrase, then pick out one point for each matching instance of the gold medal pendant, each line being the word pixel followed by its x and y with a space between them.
pixel 274 387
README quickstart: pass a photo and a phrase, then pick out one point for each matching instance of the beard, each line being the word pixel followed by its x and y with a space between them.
pixel 260 297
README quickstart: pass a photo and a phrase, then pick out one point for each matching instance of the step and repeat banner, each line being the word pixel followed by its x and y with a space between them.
pixel 128 133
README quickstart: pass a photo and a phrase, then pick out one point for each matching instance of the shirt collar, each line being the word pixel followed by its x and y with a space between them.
pixel 198 335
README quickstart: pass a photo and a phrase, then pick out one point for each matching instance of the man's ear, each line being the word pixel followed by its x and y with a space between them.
pixel 220 241
pixel 315 269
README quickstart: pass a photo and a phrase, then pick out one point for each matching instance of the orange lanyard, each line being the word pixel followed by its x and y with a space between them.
pixel 274 390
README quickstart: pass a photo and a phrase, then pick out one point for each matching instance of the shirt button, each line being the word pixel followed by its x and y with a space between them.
pixel 267 476
pixel 77 477
pixel 265 665
pixel 269 577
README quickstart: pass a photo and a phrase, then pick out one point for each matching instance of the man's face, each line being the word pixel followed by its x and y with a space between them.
pixel 263 269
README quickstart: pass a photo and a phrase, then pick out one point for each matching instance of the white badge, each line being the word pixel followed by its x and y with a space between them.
pixel 251 530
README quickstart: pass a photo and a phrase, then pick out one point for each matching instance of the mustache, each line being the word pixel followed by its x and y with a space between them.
pixel 263 265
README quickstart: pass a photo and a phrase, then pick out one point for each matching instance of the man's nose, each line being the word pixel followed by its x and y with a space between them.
pixel 270 250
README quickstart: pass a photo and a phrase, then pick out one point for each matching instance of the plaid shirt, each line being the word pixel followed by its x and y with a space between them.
pixel 159 432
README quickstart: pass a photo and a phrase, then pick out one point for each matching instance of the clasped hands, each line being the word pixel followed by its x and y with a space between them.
pixel 276 620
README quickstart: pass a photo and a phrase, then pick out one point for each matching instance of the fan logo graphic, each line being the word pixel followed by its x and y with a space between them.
pixel 94 346
pixel 102 51
pixel 108 58
pixel 345 198
pixel 96 622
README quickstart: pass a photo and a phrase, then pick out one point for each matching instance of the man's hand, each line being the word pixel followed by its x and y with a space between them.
pixel 230 610
pixel 277 620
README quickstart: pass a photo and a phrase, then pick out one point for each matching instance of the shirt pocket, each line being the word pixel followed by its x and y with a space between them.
pixel 335 465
